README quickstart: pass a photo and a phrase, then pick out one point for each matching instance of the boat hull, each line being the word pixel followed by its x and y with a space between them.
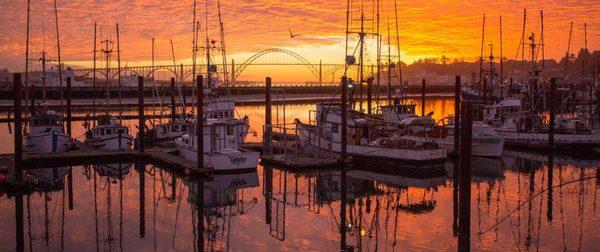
pixel 117 142
pixel 390 156
pixel 46 142
pixel 480 147
pixel 222 161
pixel 573 143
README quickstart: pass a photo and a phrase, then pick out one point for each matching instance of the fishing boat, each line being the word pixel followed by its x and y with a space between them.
pixel 486 142
pixel 109 134
pixel 222 142
pixel 364 142
pixel 46 133
pixel 530 131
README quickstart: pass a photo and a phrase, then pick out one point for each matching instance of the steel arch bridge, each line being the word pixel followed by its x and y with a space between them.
pixel 303 61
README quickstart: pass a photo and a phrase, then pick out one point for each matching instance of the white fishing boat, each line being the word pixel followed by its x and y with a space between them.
pixel 363 140
pixel 109 134
pixel 529 131
pixel 46 133
pixel 486 142
pixel 222 145
pixel 169 130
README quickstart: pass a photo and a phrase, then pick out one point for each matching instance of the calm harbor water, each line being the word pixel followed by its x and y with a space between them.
pixel 127 207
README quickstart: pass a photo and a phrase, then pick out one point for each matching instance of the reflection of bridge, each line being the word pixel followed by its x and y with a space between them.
pixel 268 57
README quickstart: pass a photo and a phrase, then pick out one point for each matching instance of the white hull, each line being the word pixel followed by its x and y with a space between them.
pixel 541 139
pixel 116 142
pixel 481 147
pixel 221 161
pixel 46 142
pixel 306 137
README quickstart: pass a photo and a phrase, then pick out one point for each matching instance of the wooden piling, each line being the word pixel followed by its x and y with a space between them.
pixel 141 120
pixel 464 225
pixel 173 105
pixel 423 97
pixel 19 223
pixel 18 143
pixel 456 162
pixel 267 148
pixel 343 163
pixel 69 117
pixel 142 197
pixel 200 122
pixel 200 214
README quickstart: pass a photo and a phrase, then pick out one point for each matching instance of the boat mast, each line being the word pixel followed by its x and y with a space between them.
pixel 60 83
pixel 27 62
pixel 378 56
pixel 523 47
pixel 208 66
pixel 107 51
pixel 481 55
pixel 400 79
pixel 183 106
pixel 389 59
pixel 501 59
pixel 223 52
pixel 119 77
pixel 94 78
pixel 361 35
pixel 568 55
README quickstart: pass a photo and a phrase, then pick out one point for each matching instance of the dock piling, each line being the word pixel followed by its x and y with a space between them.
pixel 369 94
pixel 18 143
pixel 456 162
pixel 464 225
pixel 423 97
pixel 200 122
pixel 141 122
pixel 268 120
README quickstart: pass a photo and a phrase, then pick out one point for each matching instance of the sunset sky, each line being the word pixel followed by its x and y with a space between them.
pixel 427 28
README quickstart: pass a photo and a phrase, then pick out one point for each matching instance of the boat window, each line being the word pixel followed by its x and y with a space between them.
pixel 175 128
pixel 229 130
pixel 102 132
pixel 335 128
pixel 184 128
pixel 108 131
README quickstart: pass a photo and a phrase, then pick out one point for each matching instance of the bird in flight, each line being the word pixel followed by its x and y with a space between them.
pixel 292 35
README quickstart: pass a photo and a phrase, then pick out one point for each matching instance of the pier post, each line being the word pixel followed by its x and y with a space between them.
pixel 464 225
pixel 423 97
pixel 18 176
pixel 268 120
pixel 173 105
pixel 142 197
pixel 552 114
pixel 456 153
pixel 200 214
pixel 69 94
pixel 343 163
pixel 141 122
pixel 369 95
pixel 200 123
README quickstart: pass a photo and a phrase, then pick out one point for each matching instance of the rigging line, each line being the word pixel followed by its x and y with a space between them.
pixel 60 80
pixel 530 199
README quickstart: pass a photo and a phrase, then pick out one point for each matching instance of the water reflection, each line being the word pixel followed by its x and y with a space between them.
pixel 522 201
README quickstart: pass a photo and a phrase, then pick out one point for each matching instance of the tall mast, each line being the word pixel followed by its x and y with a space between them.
pixel 107 51
pixel 542 44
pixel 389 59
pixel 27 59
pixel 361 55
pixel 523 46
pixel 481 53
pixel 60 83
pixel 119 76
pixel 568 55
pixel 401 81
pixel 584 73
pixel 223 52
pixel 208 73
pixel 378 55
pixel 94 78
pixel 43 60
pixel 501 55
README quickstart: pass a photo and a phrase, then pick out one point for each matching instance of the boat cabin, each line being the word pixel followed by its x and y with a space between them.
pixel 45 122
